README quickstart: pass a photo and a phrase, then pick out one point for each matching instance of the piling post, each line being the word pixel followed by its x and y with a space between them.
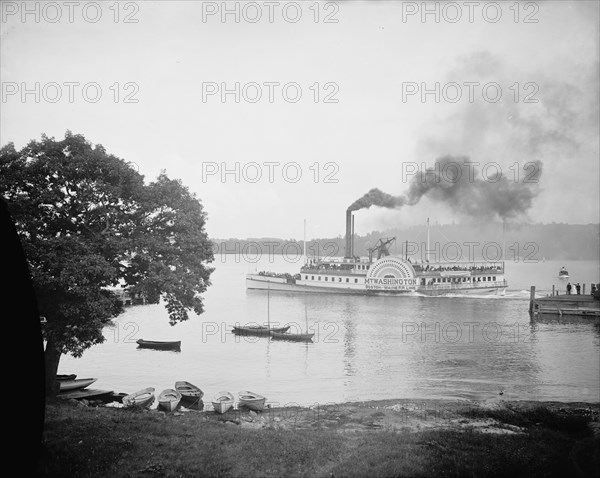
pixel 531 298
pixel 553 292
pixel 583 291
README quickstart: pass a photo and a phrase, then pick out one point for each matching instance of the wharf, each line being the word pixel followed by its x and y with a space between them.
pixel 581 305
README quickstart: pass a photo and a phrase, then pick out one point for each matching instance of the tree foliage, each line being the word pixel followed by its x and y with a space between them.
pixel 88 223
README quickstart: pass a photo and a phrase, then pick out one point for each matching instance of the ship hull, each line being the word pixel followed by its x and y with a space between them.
pixel 257 282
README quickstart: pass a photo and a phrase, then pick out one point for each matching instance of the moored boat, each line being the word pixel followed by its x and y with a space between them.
pixel 222 402
pixel 251 400
pixel 142 398
pixel 169 399
pixel 258 330
pixel 159 345
pixel 292 336
pixel 306 337
pixel 75 384
pixel 70 376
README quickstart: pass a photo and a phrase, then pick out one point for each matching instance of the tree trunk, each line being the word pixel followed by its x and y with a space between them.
pixel 52 358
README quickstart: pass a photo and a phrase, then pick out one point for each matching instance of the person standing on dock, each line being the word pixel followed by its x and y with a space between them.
pixel 578 288
pixel 569 288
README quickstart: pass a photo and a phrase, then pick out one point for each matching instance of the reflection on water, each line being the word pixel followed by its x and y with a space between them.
pixel 364 347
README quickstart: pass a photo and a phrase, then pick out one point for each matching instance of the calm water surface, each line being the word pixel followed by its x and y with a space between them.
pixel 461 347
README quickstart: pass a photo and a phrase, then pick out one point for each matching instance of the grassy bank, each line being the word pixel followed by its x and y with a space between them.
pixel 383 438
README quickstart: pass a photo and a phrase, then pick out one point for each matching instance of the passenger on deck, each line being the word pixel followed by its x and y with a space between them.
pixel 569 288
pixel 578 288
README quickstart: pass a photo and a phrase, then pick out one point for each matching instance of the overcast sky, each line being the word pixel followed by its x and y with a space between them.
pixel 361 121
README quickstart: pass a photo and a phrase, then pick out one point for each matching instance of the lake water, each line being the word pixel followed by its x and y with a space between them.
pixel 460 347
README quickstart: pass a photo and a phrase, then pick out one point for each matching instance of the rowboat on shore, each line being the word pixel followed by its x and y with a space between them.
pixel 159 345
pixel 222 402
pixel 188 390
pixel 75 384
pixel 168 399
pixel 251 400
pixel 142 398
pixel 257 330
pixel 191 396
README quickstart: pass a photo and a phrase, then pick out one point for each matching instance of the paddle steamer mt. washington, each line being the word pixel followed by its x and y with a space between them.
pixel 385 275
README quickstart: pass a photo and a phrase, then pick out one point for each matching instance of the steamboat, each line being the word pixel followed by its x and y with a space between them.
pixel 384 274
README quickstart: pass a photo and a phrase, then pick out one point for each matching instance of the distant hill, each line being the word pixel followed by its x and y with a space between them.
pixel 450 242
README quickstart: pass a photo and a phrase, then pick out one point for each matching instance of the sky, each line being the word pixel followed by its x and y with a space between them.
pixel 276 113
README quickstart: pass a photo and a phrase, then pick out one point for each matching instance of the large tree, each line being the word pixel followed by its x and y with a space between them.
pixel 89 223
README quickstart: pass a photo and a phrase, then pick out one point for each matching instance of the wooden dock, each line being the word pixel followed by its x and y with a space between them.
pixel 580 305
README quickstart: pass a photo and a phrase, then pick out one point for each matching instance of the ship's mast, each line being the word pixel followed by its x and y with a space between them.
pixel 427 251
pixel 503 240
pixel 305 258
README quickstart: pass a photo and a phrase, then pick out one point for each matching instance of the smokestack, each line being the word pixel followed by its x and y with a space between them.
pixel 352 241
pixel 348 234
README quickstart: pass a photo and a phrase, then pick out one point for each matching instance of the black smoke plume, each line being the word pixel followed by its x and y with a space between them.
pixel 460 186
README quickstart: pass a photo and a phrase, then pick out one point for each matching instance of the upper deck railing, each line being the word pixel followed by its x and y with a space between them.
pixel 441 268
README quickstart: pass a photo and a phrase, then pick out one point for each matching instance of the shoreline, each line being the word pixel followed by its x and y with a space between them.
pixel 394 437
pixel 400 414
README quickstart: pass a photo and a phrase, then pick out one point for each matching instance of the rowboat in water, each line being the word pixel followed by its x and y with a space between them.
pixel 251 400
pixel 307 337
pixel 75 384
pixel 70 376
pixel 142 398
pixel 257 330
pixel 292 337
pixel 168 399
pixel 222 402
pixel 159 345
